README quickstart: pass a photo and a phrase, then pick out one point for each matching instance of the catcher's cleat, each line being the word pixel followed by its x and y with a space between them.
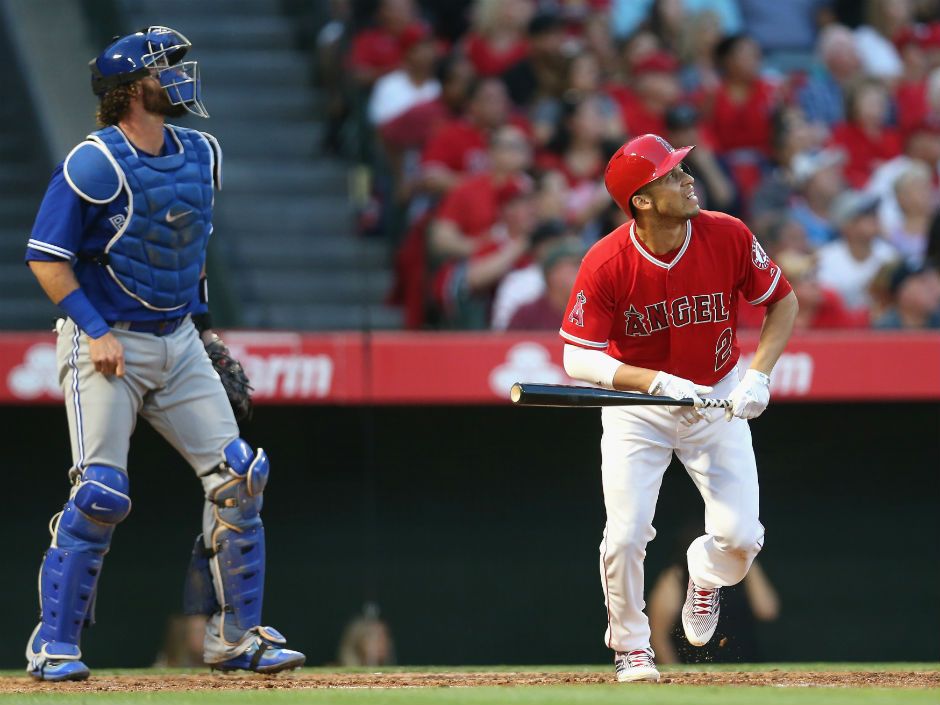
pixel 54 660
pixel 636 665
pixel 265 655
pixel 700 614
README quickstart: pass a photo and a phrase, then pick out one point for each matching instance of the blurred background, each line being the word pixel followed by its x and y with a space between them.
pixel 409 187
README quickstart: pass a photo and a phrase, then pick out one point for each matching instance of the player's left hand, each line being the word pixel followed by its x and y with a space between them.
pixel 233 377
pixel 750 397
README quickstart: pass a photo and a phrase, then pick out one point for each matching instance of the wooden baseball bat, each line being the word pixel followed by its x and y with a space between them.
pixel 529 394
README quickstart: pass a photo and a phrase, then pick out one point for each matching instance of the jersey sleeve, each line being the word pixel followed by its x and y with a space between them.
pixel 57 232
pixel 590 310
pixel 763 283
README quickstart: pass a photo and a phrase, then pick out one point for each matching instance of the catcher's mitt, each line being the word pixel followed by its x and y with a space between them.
pixel 233 377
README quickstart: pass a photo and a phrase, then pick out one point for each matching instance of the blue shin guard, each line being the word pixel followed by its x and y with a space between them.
pixel 234 535
pixel 70 570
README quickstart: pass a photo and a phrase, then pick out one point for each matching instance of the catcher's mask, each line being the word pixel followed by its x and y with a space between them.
pixel 153 51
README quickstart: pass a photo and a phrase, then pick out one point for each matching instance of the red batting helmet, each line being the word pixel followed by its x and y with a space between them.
pixel 635 164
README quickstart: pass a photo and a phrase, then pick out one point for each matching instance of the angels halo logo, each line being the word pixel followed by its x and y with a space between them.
pixel 758 256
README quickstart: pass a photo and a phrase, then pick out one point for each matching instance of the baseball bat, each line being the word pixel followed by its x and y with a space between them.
pixel 560 395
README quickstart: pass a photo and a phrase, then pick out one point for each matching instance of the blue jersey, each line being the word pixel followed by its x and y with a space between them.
pixel 71 228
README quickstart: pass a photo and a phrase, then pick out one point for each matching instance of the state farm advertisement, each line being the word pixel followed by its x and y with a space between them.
pixel 479 368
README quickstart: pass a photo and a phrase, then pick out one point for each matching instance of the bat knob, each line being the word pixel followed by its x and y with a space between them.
pixel 515 393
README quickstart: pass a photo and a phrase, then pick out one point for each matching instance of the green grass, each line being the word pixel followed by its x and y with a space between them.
pixel 527 695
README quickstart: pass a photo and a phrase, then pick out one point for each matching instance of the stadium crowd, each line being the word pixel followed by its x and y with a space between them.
pixel 485 127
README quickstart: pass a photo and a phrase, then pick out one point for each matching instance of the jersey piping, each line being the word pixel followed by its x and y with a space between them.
pixel 773 286
pixel 658 262
pixel 55 250
pixel 581 341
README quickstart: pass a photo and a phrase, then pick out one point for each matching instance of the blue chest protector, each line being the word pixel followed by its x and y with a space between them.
pixel 157 254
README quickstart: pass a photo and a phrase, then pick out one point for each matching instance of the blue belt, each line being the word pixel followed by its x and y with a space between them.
pixel 160 328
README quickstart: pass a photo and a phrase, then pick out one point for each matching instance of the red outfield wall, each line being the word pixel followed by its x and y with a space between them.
pixel 475 368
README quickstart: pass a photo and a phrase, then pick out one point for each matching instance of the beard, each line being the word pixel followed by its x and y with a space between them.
pixel 157 101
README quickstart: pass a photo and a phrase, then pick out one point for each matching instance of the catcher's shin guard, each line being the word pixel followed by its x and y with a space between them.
pixel 68 579
pixel 234 542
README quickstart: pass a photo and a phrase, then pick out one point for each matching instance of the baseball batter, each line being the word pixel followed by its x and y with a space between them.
pixel 119 244
pixel 654 309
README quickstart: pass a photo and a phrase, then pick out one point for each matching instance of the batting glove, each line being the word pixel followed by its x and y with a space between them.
pixel 750 397
pixel 667 385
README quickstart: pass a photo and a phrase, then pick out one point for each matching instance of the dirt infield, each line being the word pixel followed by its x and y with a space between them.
pixel 188 682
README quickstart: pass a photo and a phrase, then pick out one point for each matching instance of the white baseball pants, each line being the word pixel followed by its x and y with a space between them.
pixel 636 448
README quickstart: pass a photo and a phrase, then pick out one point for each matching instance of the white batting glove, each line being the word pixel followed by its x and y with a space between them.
pixel 750 397
pixel 667 385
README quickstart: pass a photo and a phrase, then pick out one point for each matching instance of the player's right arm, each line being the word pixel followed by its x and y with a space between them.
pixel 586 330
pixel 58 280
pixel 52 247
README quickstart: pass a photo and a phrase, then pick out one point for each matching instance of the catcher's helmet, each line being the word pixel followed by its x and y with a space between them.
pixel 156 51
pixel 635 164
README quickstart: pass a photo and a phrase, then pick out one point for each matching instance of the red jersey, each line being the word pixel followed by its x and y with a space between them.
pixel 489 61
pixel 745 124
pixel 637 118
pixel 377 49
pixel 457 144
pixel 865 152
pixel 473 205
pixel 675 312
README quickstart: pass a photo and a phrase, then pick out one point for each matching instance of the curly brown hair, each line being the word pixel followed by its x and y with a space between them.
pixel 115 104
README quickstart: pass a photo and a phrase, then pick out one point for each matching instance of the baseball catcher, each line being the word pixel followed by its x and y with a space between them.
pixel 119 244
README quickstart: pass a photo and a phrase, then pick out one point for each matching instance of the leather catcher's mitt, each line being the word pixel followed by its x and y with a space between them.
pixel 233 377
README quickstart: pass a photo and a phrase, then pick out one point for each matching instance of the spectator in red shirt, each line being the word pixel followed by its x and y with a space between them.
pixel 458 147
pixel 377 50
pixel 400 105
pixel 465 217
pixel 865 137
pixel 654 89
pixel 578 154
pixel 713 187
pixel 464 285
pixel 910 94
pixel 412 129
pixel 739 112
pixel 404 106
pixel 560 269
pixel 497 40
pixel 634 49
pixel 741 107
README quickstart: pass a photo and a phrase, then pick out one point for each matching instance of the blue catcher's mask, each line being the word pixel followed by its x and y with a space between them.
pixel 153 51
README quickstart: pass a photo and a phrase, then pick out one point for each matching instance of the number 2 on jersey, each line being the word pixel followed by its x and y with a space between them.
pixel 723 348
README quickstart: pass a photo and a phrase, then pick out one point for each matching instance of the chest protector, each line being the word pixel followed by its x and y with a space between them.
pixel 157 254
